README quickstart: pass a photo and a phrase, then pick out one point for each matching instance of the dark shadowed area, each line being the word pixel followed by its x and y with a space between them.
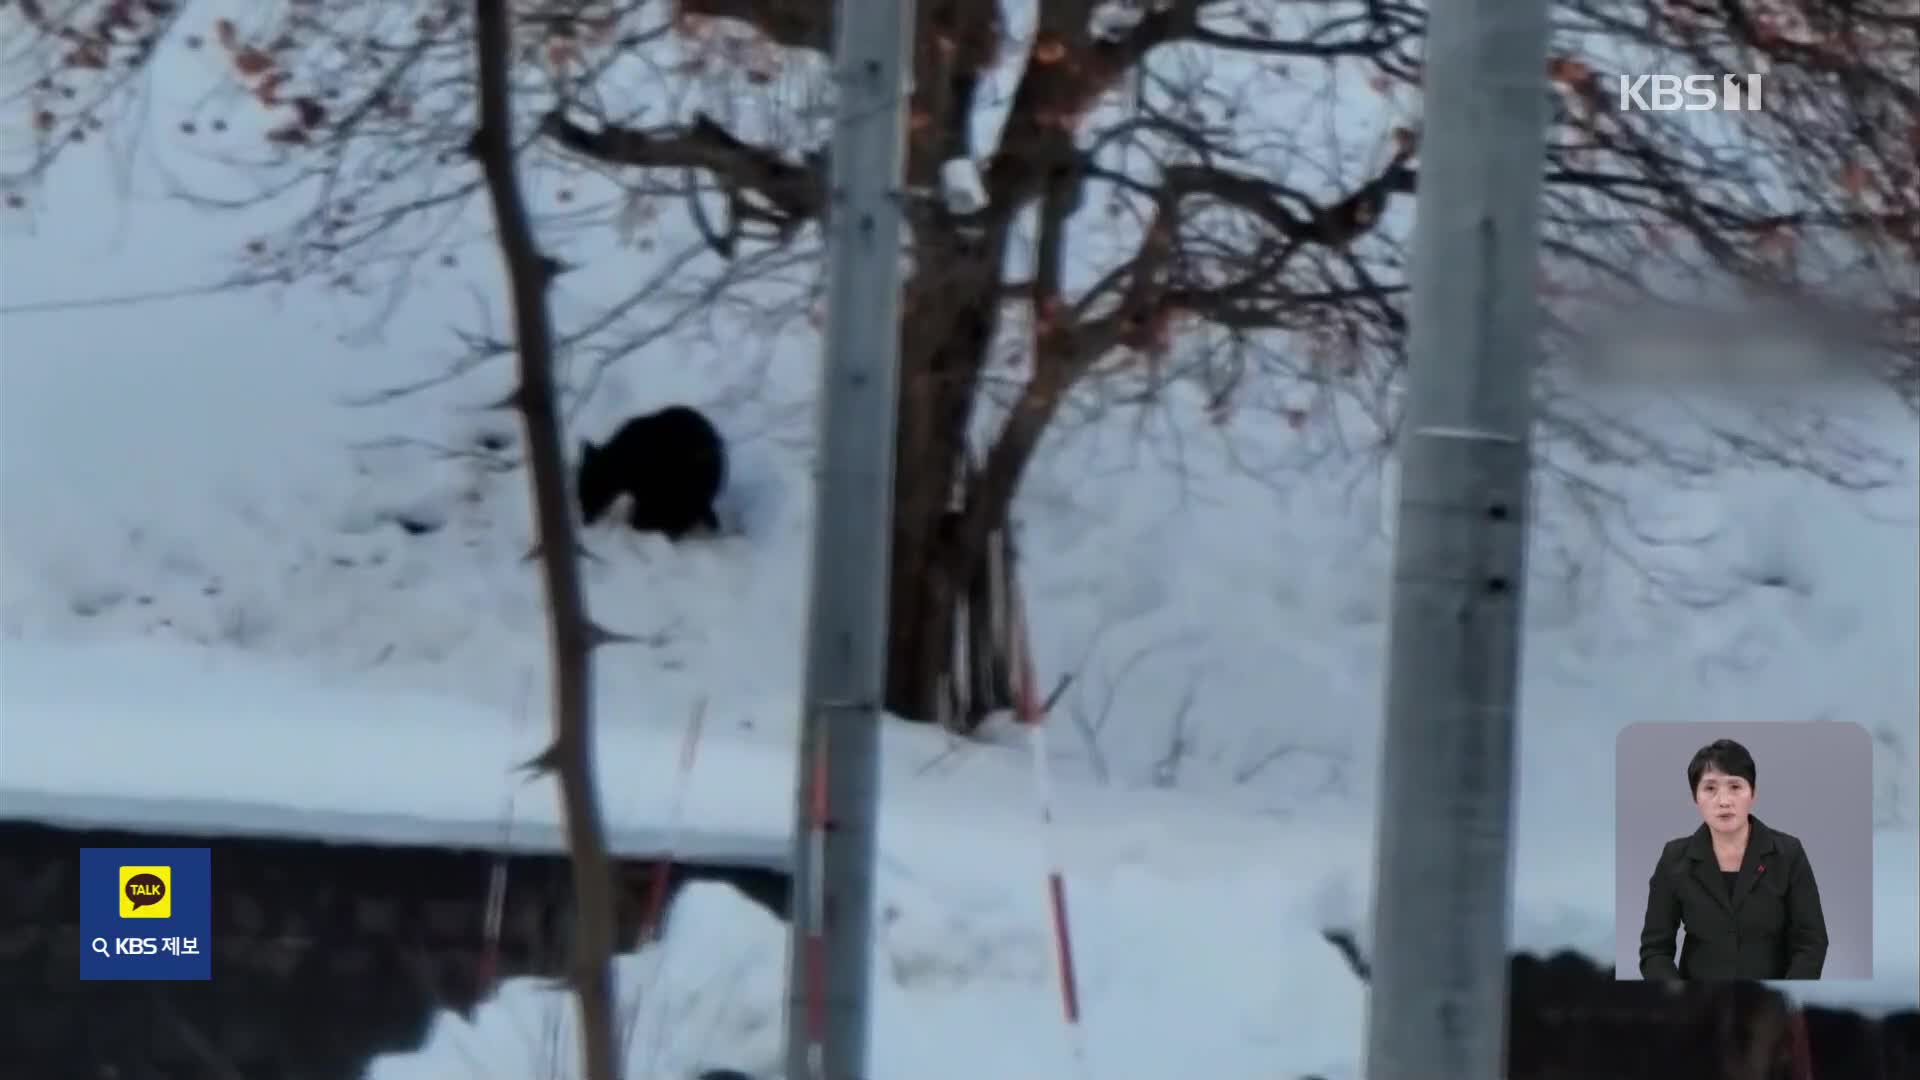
pixel 326 955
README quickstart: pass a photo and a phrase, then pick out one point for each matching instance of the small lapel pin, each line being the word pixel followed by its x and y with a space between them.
pixel 1760 869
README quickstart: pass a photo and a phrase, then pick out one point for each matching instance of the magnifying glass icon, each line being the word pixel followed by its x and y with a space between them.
pixel 100 946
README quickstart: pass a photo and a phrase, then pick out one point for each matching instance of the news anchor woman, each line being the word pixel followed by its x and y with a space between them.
pixel 1744 892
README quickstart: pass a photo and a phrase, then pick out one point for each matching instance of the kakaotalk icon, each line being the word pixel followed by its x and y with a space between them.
pixel 146 892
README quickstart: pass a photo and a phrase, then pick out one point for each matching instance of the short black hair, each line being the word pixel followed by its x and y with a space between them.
pixel 1725 755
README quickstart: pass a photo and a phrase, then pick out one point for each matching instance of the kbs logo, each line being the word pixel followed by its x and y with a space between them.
pixel 146 892
pixel 169 890
pixel 1690 93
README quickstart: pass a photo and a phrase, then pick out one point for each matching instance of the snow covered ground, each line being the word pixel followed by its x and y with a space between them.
pixel 219 583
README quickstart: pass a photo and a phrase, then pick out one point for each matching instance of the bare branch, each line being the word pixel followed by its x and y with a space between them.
pixel 798 24
pixel 572 633
pixel 794 192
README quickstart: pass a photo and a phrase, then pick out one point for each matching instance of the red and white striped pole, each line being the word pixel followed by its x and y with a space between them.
pixel 496 905
pixel 654 916
pixel 1031 713
pixel 663 867
pixel 495 909
pixel 814 951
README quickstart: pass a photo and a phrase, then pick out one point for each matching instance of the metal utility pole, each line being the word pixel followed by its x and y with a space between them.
pixel 1437 1010
pixel 828 960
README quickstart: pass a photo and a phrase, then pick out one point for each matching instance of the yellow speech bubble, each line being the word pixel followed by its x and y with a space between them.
pixel 146 892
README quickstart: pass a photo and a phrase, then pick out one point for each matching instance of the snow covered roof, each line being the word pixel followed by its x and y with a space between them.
pixel 220 817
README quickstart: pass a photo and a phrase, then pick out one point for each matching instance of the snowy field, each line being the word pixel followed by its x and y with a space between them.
pixel 218 583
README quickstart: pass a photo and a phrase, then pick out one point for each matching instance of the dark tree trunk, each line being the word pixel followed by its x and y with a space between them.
pixel 939 548
pixel 988 672
pixel 951 312
pixel 927 559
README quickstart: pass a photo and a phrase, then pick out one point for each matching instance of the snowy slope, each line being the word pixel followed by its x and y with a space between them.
pixel 185 504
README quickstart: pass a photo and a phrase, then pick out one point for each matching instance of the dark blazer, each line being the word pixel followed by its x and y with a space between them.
pixel 1771 928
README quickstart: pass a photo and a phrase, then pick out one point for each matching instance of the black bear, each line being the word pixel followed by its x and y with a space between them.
pixel 670 464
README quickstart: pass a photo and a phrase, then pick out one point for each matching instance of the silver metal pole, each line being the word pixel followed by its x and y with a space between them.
pixel 828 961
pixel 1437 1010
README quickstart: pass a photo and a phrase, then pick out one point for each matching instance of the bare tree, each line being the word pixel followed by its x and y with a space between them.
pixel 571 633
pixel 1224 177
